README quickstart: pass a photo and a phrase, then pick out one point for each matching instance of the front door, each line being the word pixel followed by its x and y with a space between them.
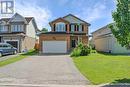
pixel 73 43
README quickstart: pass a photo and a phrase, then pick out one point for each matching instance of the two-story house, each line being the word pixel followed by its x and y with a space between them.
pixel 65 33
pixel 18 31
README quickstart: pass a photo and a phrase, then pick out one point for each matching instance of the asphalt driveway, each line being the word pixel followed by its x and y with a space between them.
pixel 54 69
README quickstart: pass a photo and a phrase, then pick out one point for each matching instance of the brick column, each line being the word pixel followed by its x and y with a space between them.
pixel 68 28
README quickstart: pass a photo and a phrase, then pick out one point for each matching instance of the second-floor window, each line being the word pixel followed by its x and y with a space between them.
pixel 17 28
pixel 72 28
pixel 80 28
pixel 60 27
pixel 3 28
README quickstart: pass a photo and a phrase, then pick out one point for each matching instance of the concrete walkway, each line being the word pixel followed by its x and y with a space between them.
pixel 43 70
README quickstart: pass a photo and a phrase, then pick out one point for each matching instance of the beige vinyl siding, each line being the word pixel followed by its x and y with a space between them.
pixel 106 43
pixel 28 43
pixel 30 30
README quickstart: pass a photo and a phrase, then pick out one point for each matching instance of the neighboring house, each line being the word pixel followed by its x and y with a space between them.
pixel 18 31
pixel 65 33
pixel 104 41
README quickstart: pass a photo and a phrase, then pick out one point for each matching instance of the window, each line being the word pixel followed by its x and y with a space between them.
pixel 60 27
pixel 17 28
pixel 80 28
pixel 3 28
pixel 72 28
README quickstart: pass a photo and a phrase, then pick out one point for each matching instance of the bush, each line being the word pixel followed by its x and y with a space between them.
pixel 76 52
pixel 81 50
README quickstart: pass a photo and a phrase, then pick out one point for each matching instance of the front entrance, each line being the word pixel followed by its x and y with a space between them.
pixel 73 43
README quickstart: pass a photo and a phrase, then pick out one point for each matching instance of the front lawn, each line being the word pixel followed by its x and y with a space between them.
pixel 17 58
pixel 103 68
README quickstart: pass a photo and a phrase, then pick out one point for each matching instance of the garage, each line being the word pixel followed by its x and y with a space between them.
pixel 14 43
pixel 54 46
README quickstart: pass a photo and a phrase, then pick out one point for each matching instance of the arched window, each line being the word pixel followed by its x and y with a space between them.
pixel 60 27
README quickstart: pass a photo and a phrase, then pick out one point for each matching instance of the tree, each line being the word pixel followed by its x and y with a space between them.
pixel 121 27
pixel 44 30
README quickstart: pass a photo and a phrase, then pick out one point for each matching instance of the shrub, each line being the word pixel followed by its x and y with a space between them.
pixel 76 52
pixel 81 50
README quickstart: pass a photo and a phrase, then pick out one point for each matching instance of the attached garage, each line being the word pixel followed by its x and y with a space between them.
pixel 14 43
pixel 54 46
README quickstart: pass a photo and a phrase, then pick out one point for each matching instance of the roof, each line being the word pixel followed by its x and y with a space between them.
pixel 28 19
pixel 101 28
pixel 5 19
pixel 77 18
pixel 63 18
pixel 61 33
pixel 58 19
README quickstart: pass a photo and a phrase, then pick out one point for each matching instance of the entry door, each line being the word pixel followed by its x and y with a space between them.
pixel 73 43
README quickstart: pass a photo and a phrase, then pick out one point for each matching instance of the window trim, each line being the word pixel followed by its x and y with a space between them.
pixel 4 28
pixel 80 29
pixel 72 26
pixel 60 27
pixel 17 28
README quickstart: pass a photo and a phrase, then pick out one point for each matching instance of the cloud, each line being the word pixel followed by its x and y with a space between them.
pixel 31 9
pixel 41 14
pixel 93 13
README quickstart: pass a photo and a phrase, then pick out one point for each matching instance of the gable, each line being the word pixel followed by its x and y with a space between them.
pixel 59 20
pixel 2 22
pixel 17 18
pixel 73 19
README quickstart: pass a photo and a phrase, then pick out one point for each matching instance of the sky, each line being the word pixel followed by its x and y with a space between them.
pixel 95 12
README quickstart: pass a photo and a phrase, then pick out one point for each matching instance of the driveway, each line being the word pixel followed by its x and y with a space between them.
pixel 53 69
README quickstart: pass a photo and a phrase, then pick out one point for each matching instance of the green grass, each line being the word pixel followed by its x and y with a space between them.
pixel 17 58
pixel 103 68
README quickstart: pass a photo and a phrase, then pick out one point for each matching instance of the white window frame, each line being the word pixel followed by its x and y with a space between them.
pixel 60 27
pixel 3 28
pixel 80 28
pixel 17 28
pixel 72 28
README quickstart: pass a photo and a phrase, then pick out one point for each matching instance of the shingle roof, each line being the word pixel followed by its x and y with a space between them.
pixel 28 19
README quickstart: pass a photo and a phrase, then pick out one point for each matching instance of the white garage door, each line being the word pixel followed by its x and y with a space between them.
pixel 54 46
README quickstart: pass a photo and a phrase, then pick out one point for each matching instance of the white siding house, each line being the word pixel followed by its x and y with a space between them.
pixel 104 41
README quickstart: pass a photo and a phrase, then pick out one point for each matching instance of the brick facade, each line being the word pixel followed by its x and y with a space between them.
pixel 68 35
